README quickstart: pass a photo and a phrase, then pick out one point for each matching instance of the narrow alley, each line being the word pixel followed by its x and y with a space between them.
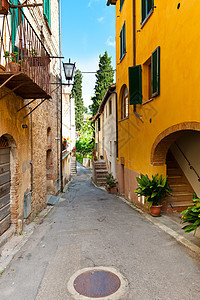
pixel 91 228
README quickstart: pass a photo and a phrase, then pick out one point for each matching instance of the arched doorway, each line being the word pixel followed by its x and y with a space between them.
pixel 178 147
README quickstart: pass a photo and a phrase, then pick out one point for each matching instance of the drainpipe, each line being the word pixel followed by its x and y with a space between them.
pixel 61 171
pixel 134 49
pixel 31 163
pixel 134 55
pixel 116 127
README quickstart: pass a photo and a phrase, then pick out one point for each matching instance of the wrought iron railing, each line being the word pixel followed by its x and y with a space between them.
pixel 185 157
pixel 21 50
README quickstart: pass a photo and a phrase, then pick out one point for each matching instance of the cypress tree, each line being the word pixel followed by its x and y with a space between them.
pixel 104 78
pixel 77 95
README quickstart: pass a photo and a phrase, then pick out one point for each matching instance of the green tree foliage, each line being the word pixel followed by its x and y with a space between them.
pixel 77 95
pixel 85 144
pixel 104 78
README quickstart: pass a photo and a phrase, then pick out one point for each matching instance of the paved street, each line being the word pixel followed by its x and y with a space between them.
pixel 89 227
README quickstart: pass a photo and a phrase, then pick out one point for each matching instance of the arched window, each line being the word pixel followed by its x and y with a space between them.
pixel 124 103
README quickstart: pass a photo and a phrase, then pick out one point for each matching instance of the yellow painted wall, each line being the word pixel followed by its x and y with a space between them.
pixel 176 31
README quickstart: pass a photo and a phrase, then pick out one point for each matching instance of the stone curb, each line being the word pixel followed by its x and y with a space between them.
pixel 180 239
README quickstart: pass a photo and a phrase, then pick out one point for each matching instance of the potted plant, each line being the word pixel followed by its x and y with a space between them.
pixel 13 65
pixel 111 184
pixel 154 190
pixel 64 143
pixel 192 216
pixel 36 60
pixel 4 7
pixel 101 156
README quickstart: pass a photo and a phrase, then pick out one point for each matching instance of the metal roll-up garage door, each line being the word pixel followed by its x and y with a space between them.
pixel 5 218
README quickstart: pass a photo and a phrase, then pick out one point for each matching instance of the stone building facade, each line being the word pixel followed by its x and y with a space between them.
pixel 30 145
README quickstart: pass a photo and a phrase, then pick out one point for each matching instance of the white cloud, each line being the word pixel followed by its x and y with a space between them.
pixel 110 41
pixel 100 19
pixel 91 1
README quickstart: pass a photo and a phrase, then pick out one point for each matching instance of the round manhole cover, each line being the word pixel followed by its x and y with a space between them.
pixel 97 283
pixel 101 283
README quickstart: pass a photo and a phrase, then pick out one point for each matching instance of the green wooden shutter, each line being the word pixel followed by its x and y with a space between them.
pixel 120 44
pixel 143 10
pixel 135 85
pixel 124 39
pixel 47 11
pixel 155 72
pixel 121 4
pixel 149 5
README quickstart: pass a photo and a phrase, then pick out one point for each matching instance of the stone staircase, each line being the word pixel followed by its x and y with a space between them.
pixel 182 191
pixel 73 166
pixel 99 172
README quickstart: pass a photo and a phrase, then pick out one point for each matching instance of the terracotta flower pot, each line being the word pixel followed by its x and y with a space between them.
pixel 113 190
pixel 155 210
pixel 14 67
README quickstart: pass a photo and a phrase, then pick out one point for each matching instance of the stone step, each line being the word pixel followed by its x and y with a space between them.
pixel 180 187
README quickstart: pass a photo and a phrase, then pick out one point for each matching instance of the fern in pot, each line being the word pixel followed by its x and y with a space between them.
pixel 154 190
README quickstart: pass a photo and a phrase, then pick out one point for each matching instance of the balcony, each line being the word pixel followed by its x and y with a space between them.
pixel 24 60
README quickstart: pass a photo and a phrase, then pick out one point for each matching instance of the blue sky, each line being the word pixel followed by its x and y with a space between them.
pixel 88 29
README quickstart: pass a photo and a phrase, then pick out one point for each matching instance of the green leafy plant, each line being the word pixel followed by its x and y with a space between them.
pixel 12 56
pixel 154 190
pixel 34 52
pixel 7 54
pixel 111 181
pixel 192 215
pixel 101 156
pixel 85 144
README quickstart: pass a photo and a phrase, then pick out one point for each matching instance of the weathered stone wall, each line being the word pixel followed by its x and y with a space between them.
pixel 47 115
pixel 11 123
pixel 29 145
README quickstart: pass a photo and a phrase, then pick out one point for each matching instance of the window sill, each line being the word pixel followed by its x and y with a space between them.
pixel 148 101
pixel 147 18
pixel 123 119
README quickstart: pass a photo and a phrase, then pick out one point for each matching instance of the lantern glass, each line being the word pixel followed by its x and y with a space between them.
pixel 69 70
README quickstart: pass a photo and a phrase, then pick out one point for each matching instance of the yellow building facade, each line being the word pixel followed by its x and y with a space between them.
pixel 157 82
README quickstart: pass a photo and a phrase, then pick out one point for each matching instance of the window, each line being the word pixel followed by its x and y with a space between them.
pixel 16 18
pixel 147 86
pixel 124 103
pixel 155 72
pixel 47 11
pixel 147 8
pixel 122 42
pixel 110 107
pixel 146 80
pixel 121 4
pixel 99 124
pixel 135 85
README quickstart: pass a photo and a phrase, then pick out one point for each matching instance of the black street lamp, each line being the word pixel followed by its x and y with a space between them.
pixel 69 69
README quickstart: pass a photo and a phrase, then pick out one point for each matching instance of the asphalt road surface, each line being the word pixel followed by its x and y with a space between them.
pixel 90 228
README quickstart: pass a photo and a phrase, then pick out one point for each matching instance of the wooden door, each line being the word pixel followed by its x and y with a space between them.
pixel 5 217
